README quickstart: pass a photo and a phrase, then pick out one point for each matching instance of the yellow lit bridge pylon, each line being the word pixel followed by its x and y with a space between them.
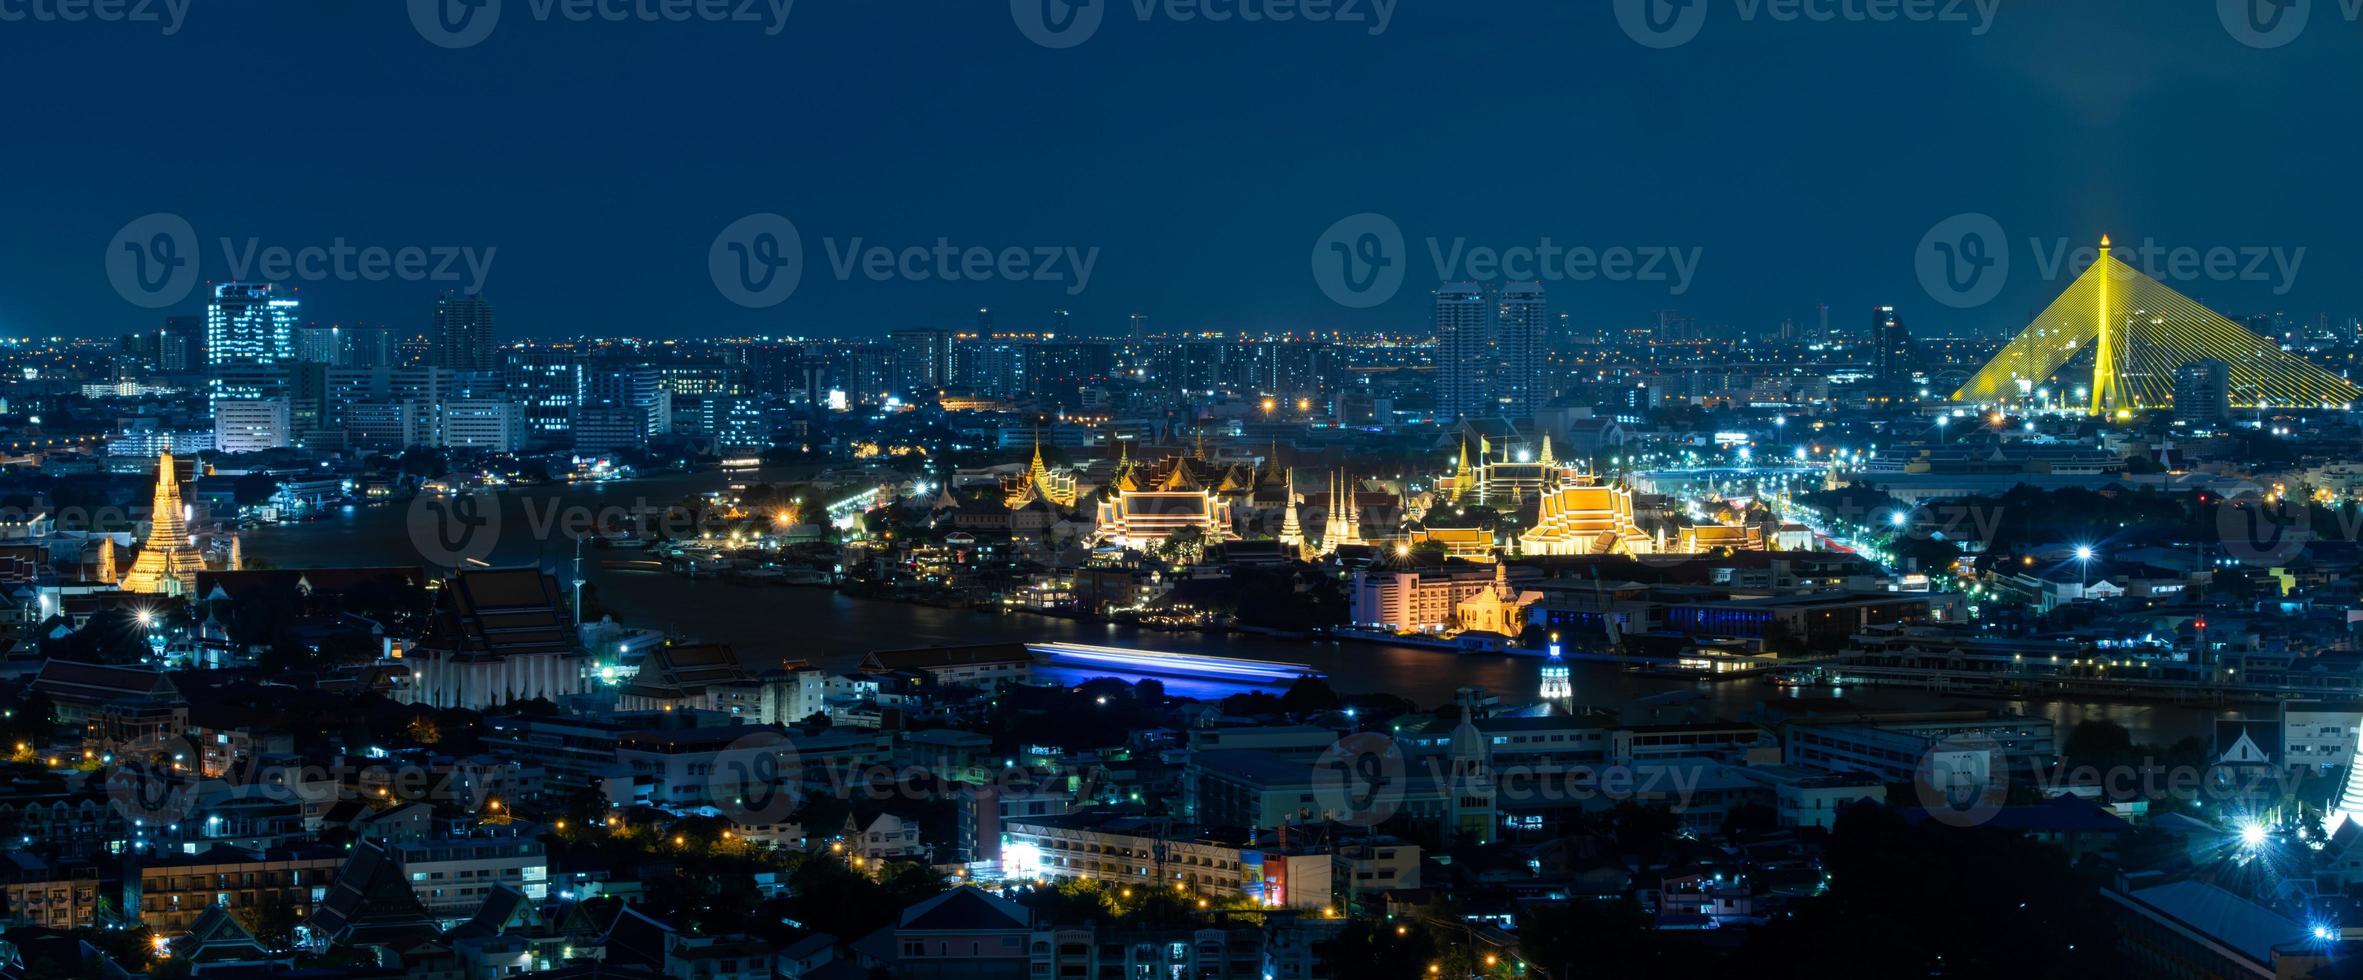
pixel 2139 331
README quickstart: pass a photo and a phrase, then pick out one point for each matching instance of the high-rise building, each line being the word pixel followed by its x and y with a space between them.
pixel 249 323
pixel 984 321
pixel 869 373
pixel 2203 392
pixel 247 380
pixel 1463 349
pixel 1139 324
pixel 548 383
pixel 493 425
pixel 320 344
pixel 1059 370
pixel 462 334
pixel 737 423
pixel 638 389
pixel 251 425
pixel 1520 341
pixel 992 366
pixel 366 345
pixel 180 346
pixel 606 427
pixel 139 348
pixel 1891 345
pixel 1291 370
pixel 923 357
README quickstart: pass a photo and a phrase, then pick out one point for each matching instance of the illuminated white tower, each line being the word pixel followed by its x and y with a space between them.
pixel 1292 534
pixel 2350 799
pixel 1558 681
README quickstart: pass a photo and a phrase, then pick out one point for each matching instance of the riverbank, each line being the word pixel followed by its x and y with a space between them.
pixel 834 631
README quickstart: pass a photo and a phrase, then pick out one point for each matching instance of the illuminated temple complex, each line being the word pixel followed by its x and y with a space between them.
pixel 1492 482
pixel 1585 517
pixel 167 564
pixel 1148 505
pixel 1040 482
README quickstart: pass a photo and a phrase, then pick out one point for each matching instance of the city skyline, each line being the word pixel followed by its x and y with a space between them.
pixel 1236 489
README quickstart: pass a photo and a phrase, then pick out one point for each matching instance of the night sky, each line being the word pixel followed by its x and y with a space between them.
pixel 1806 161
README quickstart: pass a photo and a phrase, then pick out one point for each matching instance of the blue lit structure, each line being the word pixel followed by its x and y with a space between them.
pixel 1558 681
pixel 250 323
pixel 1175 664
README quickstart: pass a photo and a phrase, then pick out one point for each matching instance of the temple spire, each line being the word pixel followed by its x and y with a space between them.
pixel 167 564
pixel 1292 534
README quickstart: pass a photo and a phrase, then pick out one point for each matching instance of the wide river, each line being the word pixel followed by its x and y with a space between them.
pixel 770 624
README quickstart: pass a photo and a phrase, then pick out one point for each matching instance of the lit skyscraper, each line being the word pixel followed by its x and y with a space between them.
pixel 180 346
pixel 1521 336
pixel 463 333
pixel 249 323
pixel 1891 345
pixel 549 383
pixel 923 358
pixel 320 344
pixel 1462 349
pixel 992 367
pixel 2203 392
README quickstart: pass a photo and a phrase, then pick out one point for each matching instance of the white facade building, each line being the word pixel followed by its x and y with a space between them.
pixel 247 425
